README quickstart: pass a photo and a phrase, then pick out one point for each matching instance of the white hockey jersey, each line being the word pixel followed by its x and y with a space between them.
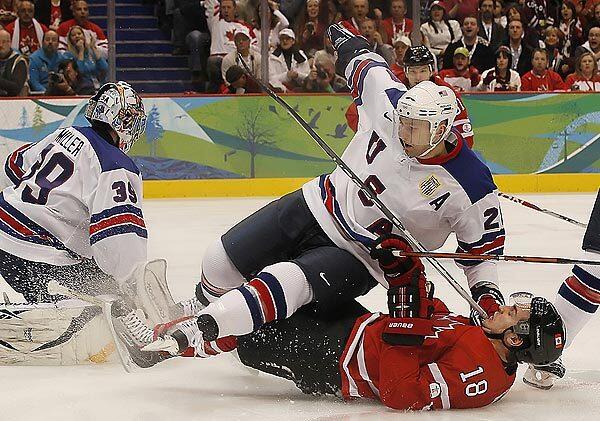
pixel 432 198
pixel 73 195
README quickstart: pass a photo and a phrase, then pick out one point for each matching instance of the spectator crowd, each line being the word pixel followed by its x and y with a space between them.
pixel 51 46
pixel 479 45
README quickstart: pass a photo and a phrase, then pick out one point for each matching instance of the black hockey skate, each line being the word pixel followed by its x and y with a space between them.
pixel 544 376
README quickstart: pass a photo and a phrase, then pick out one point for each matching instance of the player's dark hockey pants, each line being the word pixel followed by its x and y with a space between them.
pixel 306 348
pixel 286 230
pixel 31 278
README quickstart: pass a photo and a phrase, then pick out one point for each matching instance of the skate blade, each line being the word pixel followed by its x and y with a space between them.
pixel 537 385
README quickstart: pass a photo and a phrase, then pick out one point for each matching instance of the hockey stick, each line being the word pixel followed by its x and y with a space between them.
pixel 500 258
pixel 54 288
pixel 537 208
pixel 415 244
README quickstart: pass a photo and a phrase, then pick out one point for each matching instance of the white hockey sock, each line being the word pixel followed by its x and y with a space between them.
pixel 276 293
pixel 578 299
pixel 219 275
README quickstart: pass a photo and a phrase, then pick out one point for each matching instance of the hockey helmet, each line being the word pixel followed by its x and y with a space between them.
pixel 120 107
pixel 418 56
pixel 429 102
pixel 543 334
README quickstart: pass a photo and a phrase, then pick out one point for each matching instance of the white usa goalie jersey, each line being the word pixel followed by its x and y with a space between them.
pixel 432 197
pixel 74 195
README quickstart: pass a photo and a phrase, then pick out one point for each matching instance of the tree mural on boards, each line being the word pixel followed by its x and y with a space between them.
pixel 24 119
pixel 38 118
pixel 154 129
pixel 255 134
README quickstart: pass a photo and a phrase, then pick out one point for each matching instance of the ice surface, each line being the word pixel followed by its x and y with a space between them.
pixel 221 389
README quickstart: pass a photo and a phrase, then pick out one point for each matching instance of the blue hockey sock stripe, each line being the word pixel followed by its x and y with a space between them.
pixel 276 292
pixel 580 290
pixel 254 307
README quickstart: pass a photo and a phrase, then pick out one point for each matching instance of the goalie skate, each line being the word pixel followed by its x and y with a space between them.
pixel 544 376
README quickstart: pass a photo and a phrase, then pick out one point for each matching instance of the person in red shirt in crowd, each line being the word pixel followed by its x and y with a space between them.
pixel 360 10
pixel 401 44
pixel 310 25
pixel 92 31
pixel 419 66
pixel 420 356
pixel 540 78
pixel 459 9
pixel 397 24
pixel 586 77
pixel 462 77
pixel 26 32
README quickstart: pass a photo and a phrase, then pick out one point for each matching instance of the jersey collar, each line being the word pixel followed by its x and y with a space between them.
pixel 439 160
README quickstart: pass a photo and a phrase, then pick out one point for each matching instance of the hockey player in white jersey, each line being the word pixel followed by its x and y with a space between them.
pixel 577 301
pixel 73 214
pixel 314 245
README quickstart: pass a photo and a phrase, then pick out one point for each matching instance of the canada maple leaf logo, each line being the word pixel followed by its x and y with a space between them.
pixel 230 35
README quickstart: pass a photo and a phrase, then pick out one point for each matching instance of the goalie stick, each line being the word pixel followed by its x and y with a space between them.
pixel 537 208
pixel 500 258
pixel 415 244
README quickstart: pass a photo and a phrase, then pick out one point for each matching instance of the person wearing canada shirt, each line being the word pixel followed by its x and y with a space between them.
pixel 420 356
pixel 540 78
pixel 462 76
pixel 220 16
pixel 586 77
pixel 26 32
pixel 397 24
pixel 93 33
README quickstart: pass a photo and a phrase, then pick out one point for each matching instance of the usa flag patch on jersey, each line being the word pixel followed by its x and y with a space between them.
pixel 429 185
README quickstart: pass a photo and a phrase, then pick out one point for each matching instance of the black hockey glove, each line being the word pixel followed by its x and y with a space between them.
pixel 347 44
pixel 398 271
pixel 489 297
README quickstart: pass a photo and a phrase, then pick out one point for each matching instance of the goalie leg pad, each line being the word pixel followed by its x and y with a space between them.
pixel 66 333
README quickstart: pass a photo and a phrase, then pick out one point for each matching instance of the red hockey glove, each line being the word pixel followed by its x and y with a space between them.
pixel 489 297
pixel 398 270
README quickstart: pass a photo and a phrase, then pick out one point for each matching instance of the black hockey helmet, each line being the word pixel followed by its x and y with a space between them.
pixel 418 56
pixel 543 334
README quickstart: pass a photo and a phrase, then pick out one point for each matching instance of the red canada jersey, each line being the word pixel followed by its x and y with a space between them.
pixel 549 81
pixel 462 123
pixel 455 367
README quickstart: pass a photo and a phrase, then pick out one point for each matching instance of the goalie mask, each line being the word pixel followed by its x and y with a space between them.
pixel 543 334
pixel 120 107
pixel 430 103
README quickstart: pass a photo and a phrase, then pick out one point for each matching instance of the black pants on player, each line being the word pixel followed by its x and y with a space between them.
pixel 31 278
pixel 306 348
pixel 285 230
